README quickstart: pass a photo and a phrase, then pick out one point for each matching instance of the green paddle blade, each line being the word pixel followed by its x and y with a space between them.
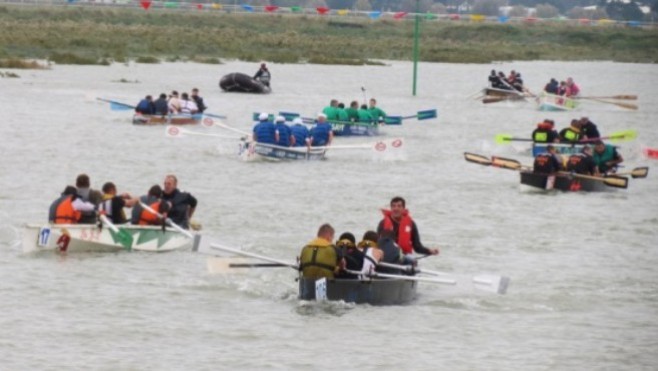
pixel 124 238
pixel 256 114
pixel 289 116
pixel 427 114
pixel 503 138
pixel 623 135
pixel 393 120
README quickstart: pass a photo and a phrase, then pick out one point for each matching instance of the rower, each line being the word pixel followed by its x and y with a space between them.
pixel 321 134
pixel 331 111
pixel 320 258
pixel 145 106
pixel 264 131
pixel 378 115
pixel 404 230
pixel 182 203
pixel 582 163
pixel 545 132
pixel 353 111
pixel 112 204
pixel 68 208
pixel 547 163
pixel 606 157
pixel 299 133
pixel 572 89
pixel 552 86
pixel 364 115
pixel 87 194
pixel 571 134
pixel 161 107
pixel 282 135
pixel 588 129
pixel 152 199
pixel 188 106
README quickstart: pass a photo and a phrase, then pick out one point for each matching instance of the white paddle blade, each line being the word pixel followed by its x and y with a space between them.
pixel 173 132
pixel 491 283
pixel 222 265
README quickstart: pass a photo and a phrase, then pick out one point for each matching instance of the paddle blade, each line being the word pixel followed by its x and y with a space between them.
pixel 625 97
pixel 173 132
pixel 116 106
pixel 640 172
pixel 289 116
pixel 491 283
pixel 427 114
pixel 506 163
pixel 393 120
pixel 623 135
pixel 616 181
pixel 493 100
pixel 477 159
pixel 222 265
pixel 125 239
pixel 503 138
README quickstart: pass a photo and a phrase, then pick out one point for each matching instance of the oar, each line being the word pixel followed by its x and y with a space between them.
pixel 224 265
pixel 252 255
pixel 167 220
pixel 620 104
pixel 444 281
pixel 490 283
pixel 620 97
pixel 508 163
pixel 477 159
pixel 423 115
pixel 124 237
pixel 506 138
pixel 216 116
pixel 117 106
pixel 177 132
pixel 208 122
pixel 638 172
pixel 493 100
pixel 611 181
pixel 614 137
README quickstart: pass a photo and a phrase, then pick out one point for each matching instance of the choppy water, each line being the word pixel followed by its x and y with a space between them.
pixel 584 291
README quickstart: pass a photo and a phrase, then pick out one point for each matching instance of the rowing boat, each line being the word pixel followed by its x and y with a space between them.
pixel 174 119
pixel 254 151
pixel 552 102
pixel 375 291
pixel 92 238
pixel 503 93
pixel 562 182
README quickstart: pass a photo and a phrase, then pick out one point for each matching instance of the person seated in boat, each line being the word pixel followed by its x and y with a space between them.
pixel 87 194
pixel 606 157
pixel 321 134
pixel 187 105
pixel 68 208
pixel 404 230
pixel 571 134
pixel 511 78
pixel 572 89
pixel 182 203
pixel 378 115
pixel 353 112
pixel 342 113
pixel 161 106
pixel 545 132
pixel 562 89
pixel 264 131
pixel 299 133
pixel 346 245
pixel 145 106
pixel 504 84
pixel 494 80
pixel 263 75
pixel 364 115
pixel 583 162
pixel 552 87
pixel 588 129
pixel 112 203
pixel 548 162
pixel 201 106
pixel 363 257
pixel 174 103
pixel 320 258
pixel 282 135
pixel 331 111
pixel 152 199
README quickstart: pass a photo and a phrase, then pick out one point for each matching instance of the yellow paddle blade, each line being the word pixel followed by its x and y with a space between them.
pixel 616 181
pixel 623 135
pixel 503 138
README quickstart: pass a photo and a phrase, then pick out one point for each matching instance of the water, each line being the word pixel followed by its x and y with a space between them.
pixel 583 293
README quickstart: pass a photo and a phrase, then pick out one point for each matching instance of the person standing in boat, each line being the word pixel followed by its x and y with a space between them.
pixel 187 106
pixel 264 130
pixel 320 258
pixel 198 100
pixel 588 129
pixel 606 157
pixel 321 134
pixel 494 80
pixel 82 183
pixel 161 106
pixel 548 162
pixel 299 133
pixel 152 199
pixel 545 132
pixel 112 204
pixel 378 115
pixel 398 221
pixel 263 75
pixel 145 106
pixel 68 208
pixel 182 204
pixel 282 135
pixel 572 133
pixel 583 163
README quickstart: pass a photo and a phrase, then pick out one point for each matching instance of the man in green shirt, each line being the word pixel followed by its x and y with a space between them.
pixel 377 113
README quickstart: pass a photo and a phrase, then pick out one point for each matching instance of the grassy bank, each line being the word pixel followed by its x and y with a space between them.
pixel 87 36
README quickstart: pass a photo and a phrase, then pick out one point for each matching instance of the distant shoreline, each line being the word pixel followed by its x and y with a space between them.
pixel 84 35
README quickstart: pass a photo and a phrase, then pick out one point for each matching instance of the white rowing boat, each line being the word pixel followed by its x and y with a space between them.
pixel 253 151
pixel 552 102
pixel 92 238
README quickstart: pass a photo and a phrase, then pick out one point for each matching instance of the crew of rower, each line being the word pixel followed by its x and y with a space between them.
pixel 187 104
pixel 395 241
pixel 370 113
pixel 82 204
pixel 280 134
pixel 566 88
pixel 579 130
pixel 511 82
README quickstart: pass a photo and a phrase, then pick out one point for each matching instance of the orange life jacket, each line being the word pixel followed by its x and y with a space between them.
pixel 148 218
pixel 404 230
pixel 65 213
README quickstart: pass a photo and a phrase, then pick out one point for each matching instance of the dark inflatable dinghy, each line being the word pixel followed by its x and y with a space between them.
pixel 241 83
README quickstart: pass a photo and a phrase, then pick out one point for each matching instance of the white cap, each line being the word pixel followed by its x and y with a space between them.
pixel 322 115
pixel 297 120
pixel 280 119
pixel 263 116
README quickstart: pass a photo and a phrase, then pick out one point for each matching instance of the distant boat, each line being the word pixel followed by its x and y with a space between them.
pixel 241 83
pixel 552 102
pixel 171 119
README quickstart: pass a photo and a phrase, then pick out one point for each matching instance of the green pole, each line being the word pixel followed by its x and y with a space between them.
pixel 416 30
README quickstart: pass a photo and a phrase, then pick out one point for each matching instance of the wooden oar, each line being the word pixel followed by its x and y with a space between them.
pixel 225 265
pixel 490 283
pixel 638 172
pixel 477 159
pixel 117 106
pixel 443 281
pixel 508 163
pixel 223 117
pixel 620 97
pixel 167 220
pixel 493 100
pixel 253 255
pixel 611 181
pixel 123 236
pixel 172 131
pixel 620 104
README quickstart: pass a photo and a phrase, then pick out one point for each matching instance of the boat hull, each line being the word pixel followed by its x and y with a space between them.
pixel 345 130
pixel 371 291
pixel 551 102
pixel 561 148
pixel 509 94
pixel 90 238
pixel 181 119
pixel 562 182
pixel 251 151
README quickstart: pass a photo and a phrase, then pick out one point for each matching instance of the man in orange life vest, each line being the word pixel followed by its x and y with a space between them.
pixel 404 230
pixel 68 208
pixel 154 200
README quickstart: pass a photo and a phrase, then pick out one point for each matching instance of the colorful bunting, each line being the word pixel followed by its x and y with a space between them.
pixel 171 4
pixel 399 15
pixel 146 4
pixel 342 12
pixel 454 17
pixel 199 6
pixel 374 15
pixel 503 19
pixel 477 18
pixel 322 10
pixel 296 9
pixel 429 15
pixel 216 6
pixel 248 7
pixel 271 8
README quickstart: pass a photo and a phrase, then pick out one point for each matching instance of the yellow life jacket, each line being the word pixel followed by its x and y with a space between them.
pixel 318 259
